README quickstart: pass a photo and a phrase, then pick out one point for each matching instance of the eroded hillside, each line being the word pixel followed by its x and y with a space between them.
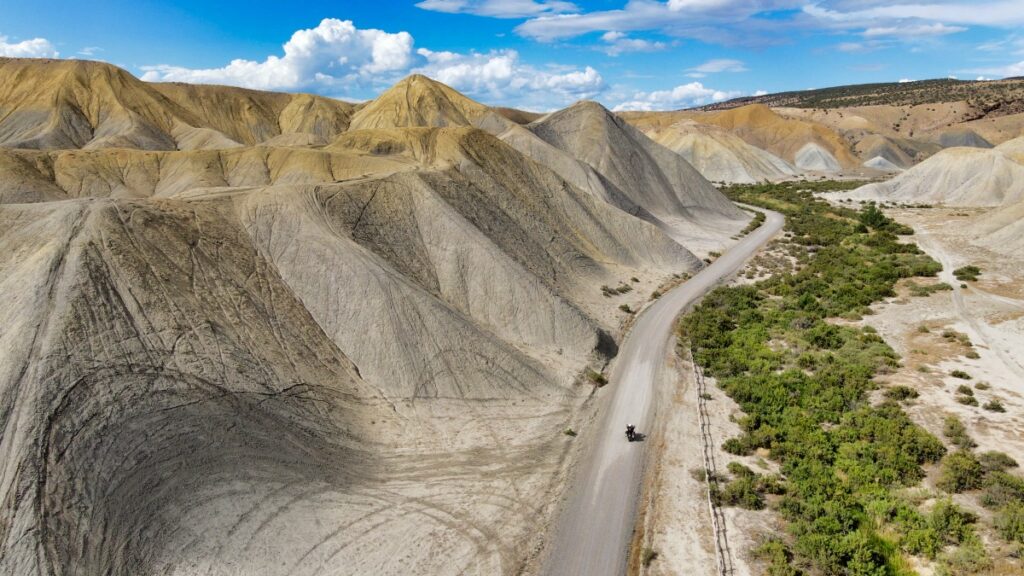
pixel 246 332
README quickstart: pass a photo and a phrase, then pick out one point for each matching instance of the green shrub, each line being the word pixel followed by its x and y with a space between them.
pixel 960 374
pixel 994 405
pixel 965 390
pixel 741 492
pixel 969 558
pixel 740 470
pixel 596 377
pixel 900 393
pixel 967 400
pixel 625 308
pixel 960 472
pixel 777 557
pixel 923 291
pixel 1009 522
pixel 993 461
pixel 967 273
pixel 1001 489
pixel 955 431
pixel 737 447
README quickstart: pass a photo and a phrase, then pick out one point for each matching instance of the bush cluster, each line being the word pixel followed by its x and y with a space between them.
pixel 803 385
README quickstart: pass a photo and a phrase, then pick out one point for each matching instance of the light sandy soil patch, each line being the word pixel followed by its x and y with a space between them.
pixel 678 522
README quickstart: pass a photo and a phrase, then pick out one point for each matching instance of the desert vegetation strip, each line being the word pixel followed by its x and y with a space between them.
pixel 804 383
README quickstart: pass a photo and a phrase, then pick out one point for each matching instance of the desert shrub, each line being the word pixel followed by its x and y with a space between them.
pixel 596 377
pixel 994 405
pixel 967 400
pixel 923 291
pixel 955 431
pixel 625 308
pixel 969 558
pixel 741 492
pixel 960 374
pixel 900 393
pixel 993 461
pixel 1009 522
pixel 777 557
pixel 740 470
pixel 1001 489
pixel 967 273
pixel 965 390
pixel 960 472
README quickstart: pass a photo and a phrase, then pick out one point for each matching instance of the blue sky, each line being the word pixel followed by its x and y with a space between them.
pixel 535 54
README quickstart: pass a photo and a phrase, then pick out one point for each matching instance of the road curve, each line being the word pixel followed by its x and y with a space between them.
pixel 594 529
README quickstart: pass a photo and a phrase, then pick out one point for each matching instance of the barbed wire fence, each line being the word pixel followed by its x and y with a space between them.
pixel 723 553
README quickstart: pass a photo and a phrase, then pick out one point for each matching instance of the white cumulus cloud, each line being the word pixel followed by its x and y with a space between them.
pixel 333 53
pixel 500 77
pixel 685 95
pixel 33 48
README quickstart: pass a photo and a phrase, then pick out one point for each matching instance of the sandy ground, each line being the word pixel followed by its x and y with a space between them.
pixel 678 525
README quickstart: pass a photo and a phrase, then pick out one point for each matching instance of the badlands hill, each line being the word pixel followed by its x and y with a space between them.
pixel 586 145
pixel 958 177
pixel 807 145
pixel 877 127
pixel 71 104
pixel 720 155
pixel 652 176
pixel 229 348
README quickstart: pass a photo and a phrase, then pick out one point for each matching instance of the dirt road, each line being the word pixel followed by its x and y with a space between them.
pixel 593 532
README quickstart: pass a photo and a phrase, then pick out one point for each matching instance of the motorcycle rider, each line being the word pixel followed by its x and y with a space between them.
pixel 630 432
